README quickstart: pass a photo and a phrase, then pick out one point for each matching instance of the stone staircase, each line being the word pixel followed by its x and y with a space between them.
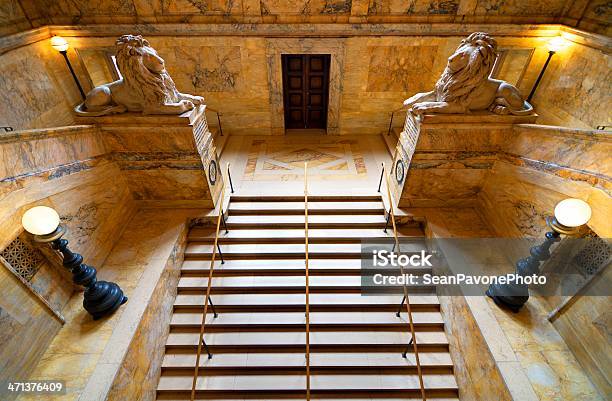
pixel 258 338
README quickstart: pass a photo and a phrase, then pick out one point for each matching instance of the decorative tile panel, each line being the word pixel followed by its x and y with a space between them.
pixel 594 255
pixel 24 259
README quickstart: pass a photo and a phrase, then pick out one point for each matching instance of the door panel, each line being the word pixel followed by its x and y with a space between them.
pixel 305 90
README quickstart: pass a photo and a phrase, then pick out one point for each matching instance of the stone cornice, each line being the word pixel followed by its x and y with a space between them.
pixel 600 42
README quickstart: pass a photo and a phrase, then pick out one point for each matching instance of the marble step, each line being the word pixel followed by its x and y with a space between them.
pixel 282 284
pixel 179 319
pixel 203 251
pixel 341 302
pixel 295 321
pixel 320 341
pixel 375 197
pixel 297 221
pixel 297 208
pixel 295 235
pixel 280 267
pixel 274 386
pixel 182 362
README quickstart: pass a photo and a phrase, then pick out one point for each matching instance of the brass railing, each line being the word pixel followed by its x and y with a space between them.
pixel 307 284
pixel 201 342
pixel 407 298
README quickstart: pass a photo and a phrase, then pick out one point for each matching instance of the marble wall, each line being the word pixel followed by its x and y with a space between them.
pixel 67 169
pixel 36 89
pixel 541 166
pixel 576 90
pixel 241 75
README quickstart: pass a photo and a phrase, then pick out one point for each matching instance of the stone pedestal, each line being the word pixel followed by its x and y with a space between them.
pixel 168 160
pixel 442 159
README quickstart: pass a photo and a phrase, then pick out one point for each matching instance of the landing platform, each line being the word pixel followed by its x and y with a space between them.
pixel 337 165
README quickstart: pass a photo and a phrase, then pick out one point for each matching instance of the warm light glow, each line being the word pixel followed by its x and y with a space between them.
pixel 59 43
pixel 40 220
pixel 572 212
pixel 557 43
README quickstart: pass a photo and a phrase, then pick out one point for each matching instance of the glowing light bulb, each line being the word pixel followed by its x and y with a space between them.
pixel 556 44
pixel 40 220
pixel 572 212
pixel 59 43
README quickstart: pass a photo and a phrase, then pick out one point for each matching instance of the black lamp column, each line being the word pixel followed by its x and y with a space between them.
pixel 514 295
pixel 537 82
pixel 102 298
pixel 61 45
pixel 76 80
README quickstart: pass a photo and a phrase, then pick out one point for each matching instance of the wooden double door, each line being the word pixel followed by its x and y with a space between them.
pixel 306 90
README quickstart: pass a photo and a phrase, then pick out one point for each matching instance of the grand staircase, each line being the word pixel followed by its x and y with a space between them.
pixel 258 338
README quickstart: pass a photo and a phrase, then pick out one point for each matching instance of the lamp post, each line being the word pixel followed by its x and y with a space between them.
pixel 569 216
pixel 554 45
pixel 101 298
pixel 60 44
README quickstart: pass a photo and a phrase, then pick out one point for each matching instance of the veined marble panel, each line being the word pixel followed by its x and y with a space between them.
pixel 305 7
pixel 205 68
pixel 418 7
pixel 186 7
pixel 519 7
pixel 401 68
pixel 513 64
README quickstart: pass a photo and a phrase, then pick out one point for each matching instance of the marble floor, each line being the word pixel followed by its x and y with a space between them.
pixel 336 164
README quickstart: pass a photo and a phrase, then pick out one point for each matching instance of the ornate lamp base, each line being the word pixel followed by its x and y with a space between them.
pixel 101 298
pixel 512 298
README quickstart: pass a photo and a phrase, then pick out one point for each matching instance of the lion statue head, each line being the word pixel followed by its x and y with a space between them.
pixel 144 71
pixel 467 68
pixel 145 85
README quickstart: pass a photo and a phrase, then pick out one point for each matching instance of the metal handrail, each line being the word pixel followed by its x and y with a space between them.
pixel 201 342
pixel 382 173
pixel 218 119
pixel 408 306
pixel 229 176
pixel 307 301
pixel 391 119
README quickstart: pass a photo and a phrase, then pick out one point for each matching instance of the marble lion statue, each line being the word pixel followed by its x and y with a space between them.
pixel 465 84
pixel 145 85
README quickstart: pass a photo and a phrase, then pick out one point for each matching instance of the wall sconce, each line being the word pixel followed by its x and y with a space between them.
pixel 102 298
pixel 61 45
pixel 554 45
pixel 569 216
